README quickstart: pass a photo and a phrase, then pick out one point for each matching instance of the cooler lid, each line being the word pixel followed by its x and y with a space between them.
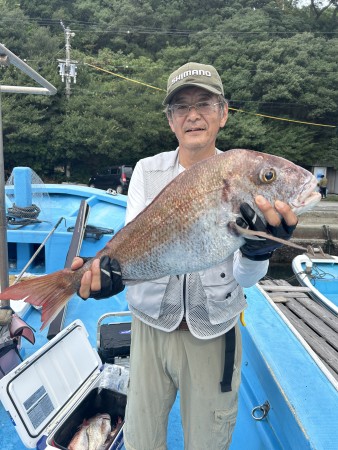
pixel 37 390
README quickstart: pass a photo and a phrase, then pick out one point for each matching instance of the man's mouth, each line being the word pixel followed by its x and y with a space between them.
pixel 190 130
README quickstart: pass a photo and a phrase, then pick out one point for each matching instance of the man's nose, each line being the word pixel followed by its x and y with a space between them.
pixel 193 111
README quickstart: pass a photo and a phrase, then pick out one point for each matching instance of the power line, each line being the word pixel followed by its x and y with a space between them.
pixel 129 29
pixel 304 70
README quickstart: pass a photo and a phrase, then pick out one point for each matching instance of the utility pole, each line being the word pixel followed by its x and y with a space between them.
pixel 67 70
pixel 67 67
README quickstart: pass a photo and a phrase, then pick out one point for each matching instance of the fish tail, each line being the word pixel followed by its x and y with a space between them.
pixel 50 291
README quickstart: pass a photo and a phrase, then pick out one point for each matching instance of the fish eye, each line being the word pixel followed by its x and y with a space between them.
pixel 268 175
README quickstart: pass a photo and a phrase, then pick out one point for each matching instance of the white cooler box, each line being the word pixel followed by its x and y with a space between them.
pixel 50 394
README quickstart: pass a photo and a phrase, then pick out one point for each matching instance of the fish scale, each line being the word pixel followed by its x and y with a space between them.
pixel 187 226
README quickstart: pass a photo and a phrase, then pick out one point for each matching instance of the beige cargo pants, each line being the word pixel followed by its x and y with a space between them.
pixel 161 364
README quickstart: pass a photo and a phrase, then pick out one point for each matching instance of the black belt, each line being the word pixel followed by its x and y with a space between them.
pixel 229 360
pixel 183 326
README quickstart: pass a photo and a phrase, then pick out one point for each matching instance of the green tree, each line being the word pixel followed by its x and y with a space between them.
pixel 275 59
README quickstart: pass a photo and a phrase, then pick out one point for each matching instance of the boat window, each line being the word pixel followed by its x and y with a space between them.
pixel 12 255
pixel 20 253
pixel 40 260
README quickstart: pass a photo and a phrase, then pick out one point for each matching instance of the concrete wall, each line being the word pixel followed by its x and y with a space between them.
pixel 318 228
pixel 332 178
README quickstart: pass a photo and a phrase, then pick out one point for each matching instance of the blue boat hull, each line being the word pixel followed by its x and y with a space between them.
pixel 275 368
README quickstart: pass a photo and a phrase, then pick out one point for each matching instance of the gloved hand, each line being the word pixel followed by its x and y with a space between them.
pixel 111 279
pixel 260 250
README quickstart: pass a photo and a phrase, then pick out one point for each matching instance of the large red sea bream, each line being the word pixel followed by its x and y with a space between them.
pixel 186 228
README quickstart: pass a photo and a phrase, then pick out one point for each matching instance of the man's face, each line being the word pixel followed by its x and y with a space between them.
pixel 196 130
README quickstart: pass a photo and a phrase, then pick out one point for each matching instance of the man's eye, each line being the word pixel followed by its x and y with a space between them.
pixel 181 107
pixel 203 104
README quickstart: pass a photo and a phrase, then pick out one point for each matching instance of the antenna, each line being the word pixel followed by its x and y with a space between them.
pixel 67 67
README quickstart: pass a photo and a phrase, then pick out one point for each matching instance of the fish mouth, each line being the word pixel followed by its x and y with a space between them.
pixel 308 197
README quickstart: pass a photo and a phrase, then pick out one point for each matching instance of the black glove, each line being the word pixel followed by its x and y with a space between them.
pixel 260 250
pixel 111 279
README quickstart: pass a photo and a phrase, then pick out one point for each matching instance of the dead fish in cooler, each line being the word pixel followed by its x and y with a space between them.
pixel 80 439
pixel 113 434
pixel 93 434
pixel 98 431
pixel 188 227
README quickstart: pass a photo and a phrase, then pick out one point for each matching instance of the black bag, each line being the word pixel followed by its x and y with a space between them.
pixel 114 341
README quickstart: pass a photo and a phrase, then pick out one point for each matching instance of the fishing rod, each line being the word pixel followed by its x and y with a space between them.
pixel 38 251
pixel 74 250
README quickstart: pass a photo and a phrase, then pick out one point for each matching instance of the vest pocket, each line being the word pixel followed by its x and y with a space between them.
pixel 224 297
pixel 225 304
pixel 147 297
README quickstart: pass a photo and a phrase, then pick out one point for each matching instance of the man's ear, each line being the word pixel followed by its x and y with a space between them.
pixel 171 124
pixel 224 117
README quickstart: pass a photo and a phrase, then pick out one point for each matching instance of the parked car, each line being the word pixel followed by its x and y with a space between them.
pixel 115 177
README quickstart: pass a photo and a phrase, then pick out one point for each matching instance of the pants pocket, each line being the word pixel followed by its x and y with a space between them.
pixel 224 424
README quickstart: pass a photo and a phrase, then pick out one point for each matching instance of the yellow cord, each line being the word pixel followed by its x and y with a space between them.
pixel 125 78
pixel 281 118
pixel 233 109
pixel 242 319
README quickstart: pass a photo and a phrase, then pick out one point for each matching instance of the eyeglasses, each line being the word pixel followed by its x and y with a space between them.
pixel 204 108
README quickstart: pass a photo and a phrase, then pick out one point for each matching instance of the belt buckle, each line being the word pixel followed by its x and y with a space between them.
pixel 183 326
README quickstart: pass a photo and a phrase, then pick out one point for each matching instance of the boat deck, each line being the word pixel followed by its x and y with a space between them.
pixel 317 326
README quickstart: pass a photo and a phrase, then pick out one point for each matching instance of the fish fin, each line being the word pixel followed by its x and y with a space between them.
pixel 50 291
pixel 247 233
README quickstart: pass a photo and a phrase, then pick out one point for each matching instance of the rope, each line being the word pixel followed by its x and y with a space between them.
pixel 21 216
pixel 329 244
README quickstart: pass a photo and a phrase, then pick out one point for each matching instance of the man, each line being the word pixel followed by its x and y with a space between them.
pixel 185 333
pixel 323 185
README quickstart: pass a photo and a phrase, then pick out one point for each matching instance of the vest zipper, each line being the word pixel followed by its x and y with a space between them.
pixel 184 294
